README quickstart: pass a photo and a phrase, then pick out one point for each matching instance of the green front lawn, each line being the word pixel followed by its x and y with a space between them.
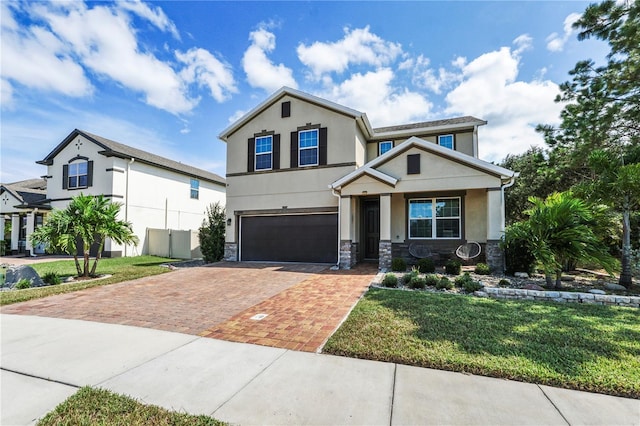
pixel 586 347
pixel 91 406
pixel 120 269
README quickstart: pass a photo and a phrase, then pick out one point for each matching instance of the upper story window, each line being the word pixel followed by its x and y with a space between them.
pixel 308 147
pixel 195 188
pixel 446 141
pixel 78 175
pixel 264 152
pixel 435 218
pixel 384 147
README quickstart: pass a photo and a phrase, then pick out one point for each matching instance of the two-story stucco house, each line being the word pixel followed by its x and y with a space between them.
pixel 155 192
pixel 309 180
pixel 22 208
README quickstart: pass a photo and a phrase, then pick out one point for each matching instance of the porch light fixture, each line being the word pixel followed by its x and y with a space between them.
pixel 228 221
pixel 364 192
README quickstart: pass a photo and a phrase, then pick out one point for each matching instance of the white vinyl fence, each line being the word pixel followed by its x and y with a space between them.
pixel 174 243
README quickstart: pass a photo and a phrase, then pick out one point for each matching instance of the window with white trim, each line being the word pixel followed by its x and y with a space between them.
pixel 435 218
pixel 78 175
pixel 308 147
pixel 195 188
pixel 384 147
pixel 264 152
pixel 446 141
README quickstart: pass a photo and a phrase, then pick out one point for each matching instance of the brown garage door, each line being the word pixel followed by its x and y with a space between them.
pixel 290 238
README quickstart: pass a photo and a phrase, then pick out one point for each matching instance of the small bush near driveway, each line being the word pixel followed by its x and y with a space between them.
pixel 586 347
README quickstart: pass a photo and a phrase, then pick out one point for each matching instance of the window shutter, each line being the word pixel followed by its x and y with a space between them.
pixel 251 152
pixel 413 164
pixel 322 147
pixel 294 150
pixel 275 165
pixel 65 176
pixel 89 173
pixel 286 109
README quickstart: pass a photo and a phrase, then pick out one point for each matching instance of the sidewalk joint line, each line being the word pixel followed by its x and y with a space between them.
pixel 554 405
pixel 250 381
pixel 41 378
pixel 393 393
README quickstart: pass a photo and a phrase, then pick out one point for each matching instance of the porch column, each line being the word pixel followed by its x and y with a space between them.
pixel 347 248
pixel 15 232
pixel 2 227
pixel 495 228
pixel 385 232
pixel 30 227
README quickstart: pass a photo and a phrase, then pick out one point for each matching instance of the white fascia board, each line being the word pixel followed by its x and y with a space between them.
pixel 277 95
pixel 435 129
pixel 361 172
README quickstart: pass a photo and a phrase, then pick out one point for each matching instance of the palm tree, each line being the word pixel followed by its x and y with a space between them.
pixel 86 220
pixel 561 230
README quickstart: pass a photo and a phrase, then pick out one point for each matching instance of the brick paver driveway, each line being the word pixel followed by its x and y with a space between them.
pixel 304 303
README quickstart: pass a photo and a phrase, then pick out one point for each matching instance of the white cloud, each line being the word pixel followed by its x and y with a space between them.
pixel 70 37
pixel 358 46
pixel 428 78
pixel 155 15
pixel 489 91
pixel 6 94
pixel 260 70
pixel 35 57
pixel 206 70
pixel 556 42
pixel 523 42
pixel 384 104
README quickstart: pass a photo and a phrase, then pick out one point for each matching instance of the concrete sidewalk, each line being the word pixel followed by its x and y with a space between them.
pixel 44 360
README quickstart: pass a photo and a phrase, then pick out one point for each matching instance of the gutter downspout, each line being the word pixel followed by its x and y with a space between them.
pixel 509 184
pixel 126 198
pixel 337 195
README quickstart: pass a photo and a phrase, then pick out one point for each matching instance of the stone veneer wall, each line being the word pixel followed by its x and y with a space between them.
pixel 494 255
pixel 559 296
pixel 385 254
pixel 231 252
pixel 348 254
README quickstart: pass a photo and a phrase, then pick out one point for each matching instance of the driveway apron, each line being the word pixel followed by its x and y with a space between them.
pixel 303 303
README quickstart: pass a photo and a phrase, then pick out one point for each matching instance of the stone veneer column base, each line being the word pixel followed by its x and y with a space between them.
pixel 494 255
pixel 231 252
pixel 384 253
pixel 348 251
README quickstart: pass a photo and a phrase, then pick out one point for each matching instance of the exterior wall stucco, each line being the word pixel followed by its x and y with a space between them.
pixel 475 222
pixel 341 133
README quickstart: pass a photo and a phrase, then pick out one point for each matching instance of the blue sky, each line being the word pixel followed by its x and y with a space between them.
pixel 168 77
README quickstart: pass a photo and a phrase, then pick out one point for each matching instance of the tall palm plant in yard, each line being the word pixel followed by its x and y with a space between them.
pixel 560 230
pixel 85 221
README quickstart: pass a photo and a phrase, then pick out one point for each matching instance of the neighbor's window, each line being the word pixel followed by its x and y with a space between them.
pixel 195 188
pixel 264 151
pixel 384 147
pixel 446 141
pixel 308 147
pixel 434 218
pixel 78 175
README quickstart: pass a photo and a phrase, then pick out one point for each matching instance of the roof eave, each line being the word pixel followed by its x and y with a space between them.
pixel 430 129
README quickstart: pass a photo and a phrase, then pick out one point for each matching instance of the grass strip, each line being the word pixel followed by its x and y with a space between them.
pixel 120 268
pixel 576 346
pixel 91 406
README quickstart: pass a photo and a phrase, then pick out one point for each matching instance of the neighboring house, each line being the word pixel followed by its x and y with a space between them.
pixel 22 208
pixel 155 192
pixel 309 180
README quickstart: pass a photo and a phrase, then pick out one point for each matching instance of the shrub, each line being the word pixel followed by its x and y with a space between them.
pixel 471 286
pixel 211 233
pixel 461 280
pixel 426 266
pixel 417 282
pixel 390 280
pixel 444 283
pixel 453 267
pixel 398 264
pixel 23 283
pixel 408 276
pixel 504 283
pixel 482 269
pixel 431 280
pixel 518 257
pixel 51 278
